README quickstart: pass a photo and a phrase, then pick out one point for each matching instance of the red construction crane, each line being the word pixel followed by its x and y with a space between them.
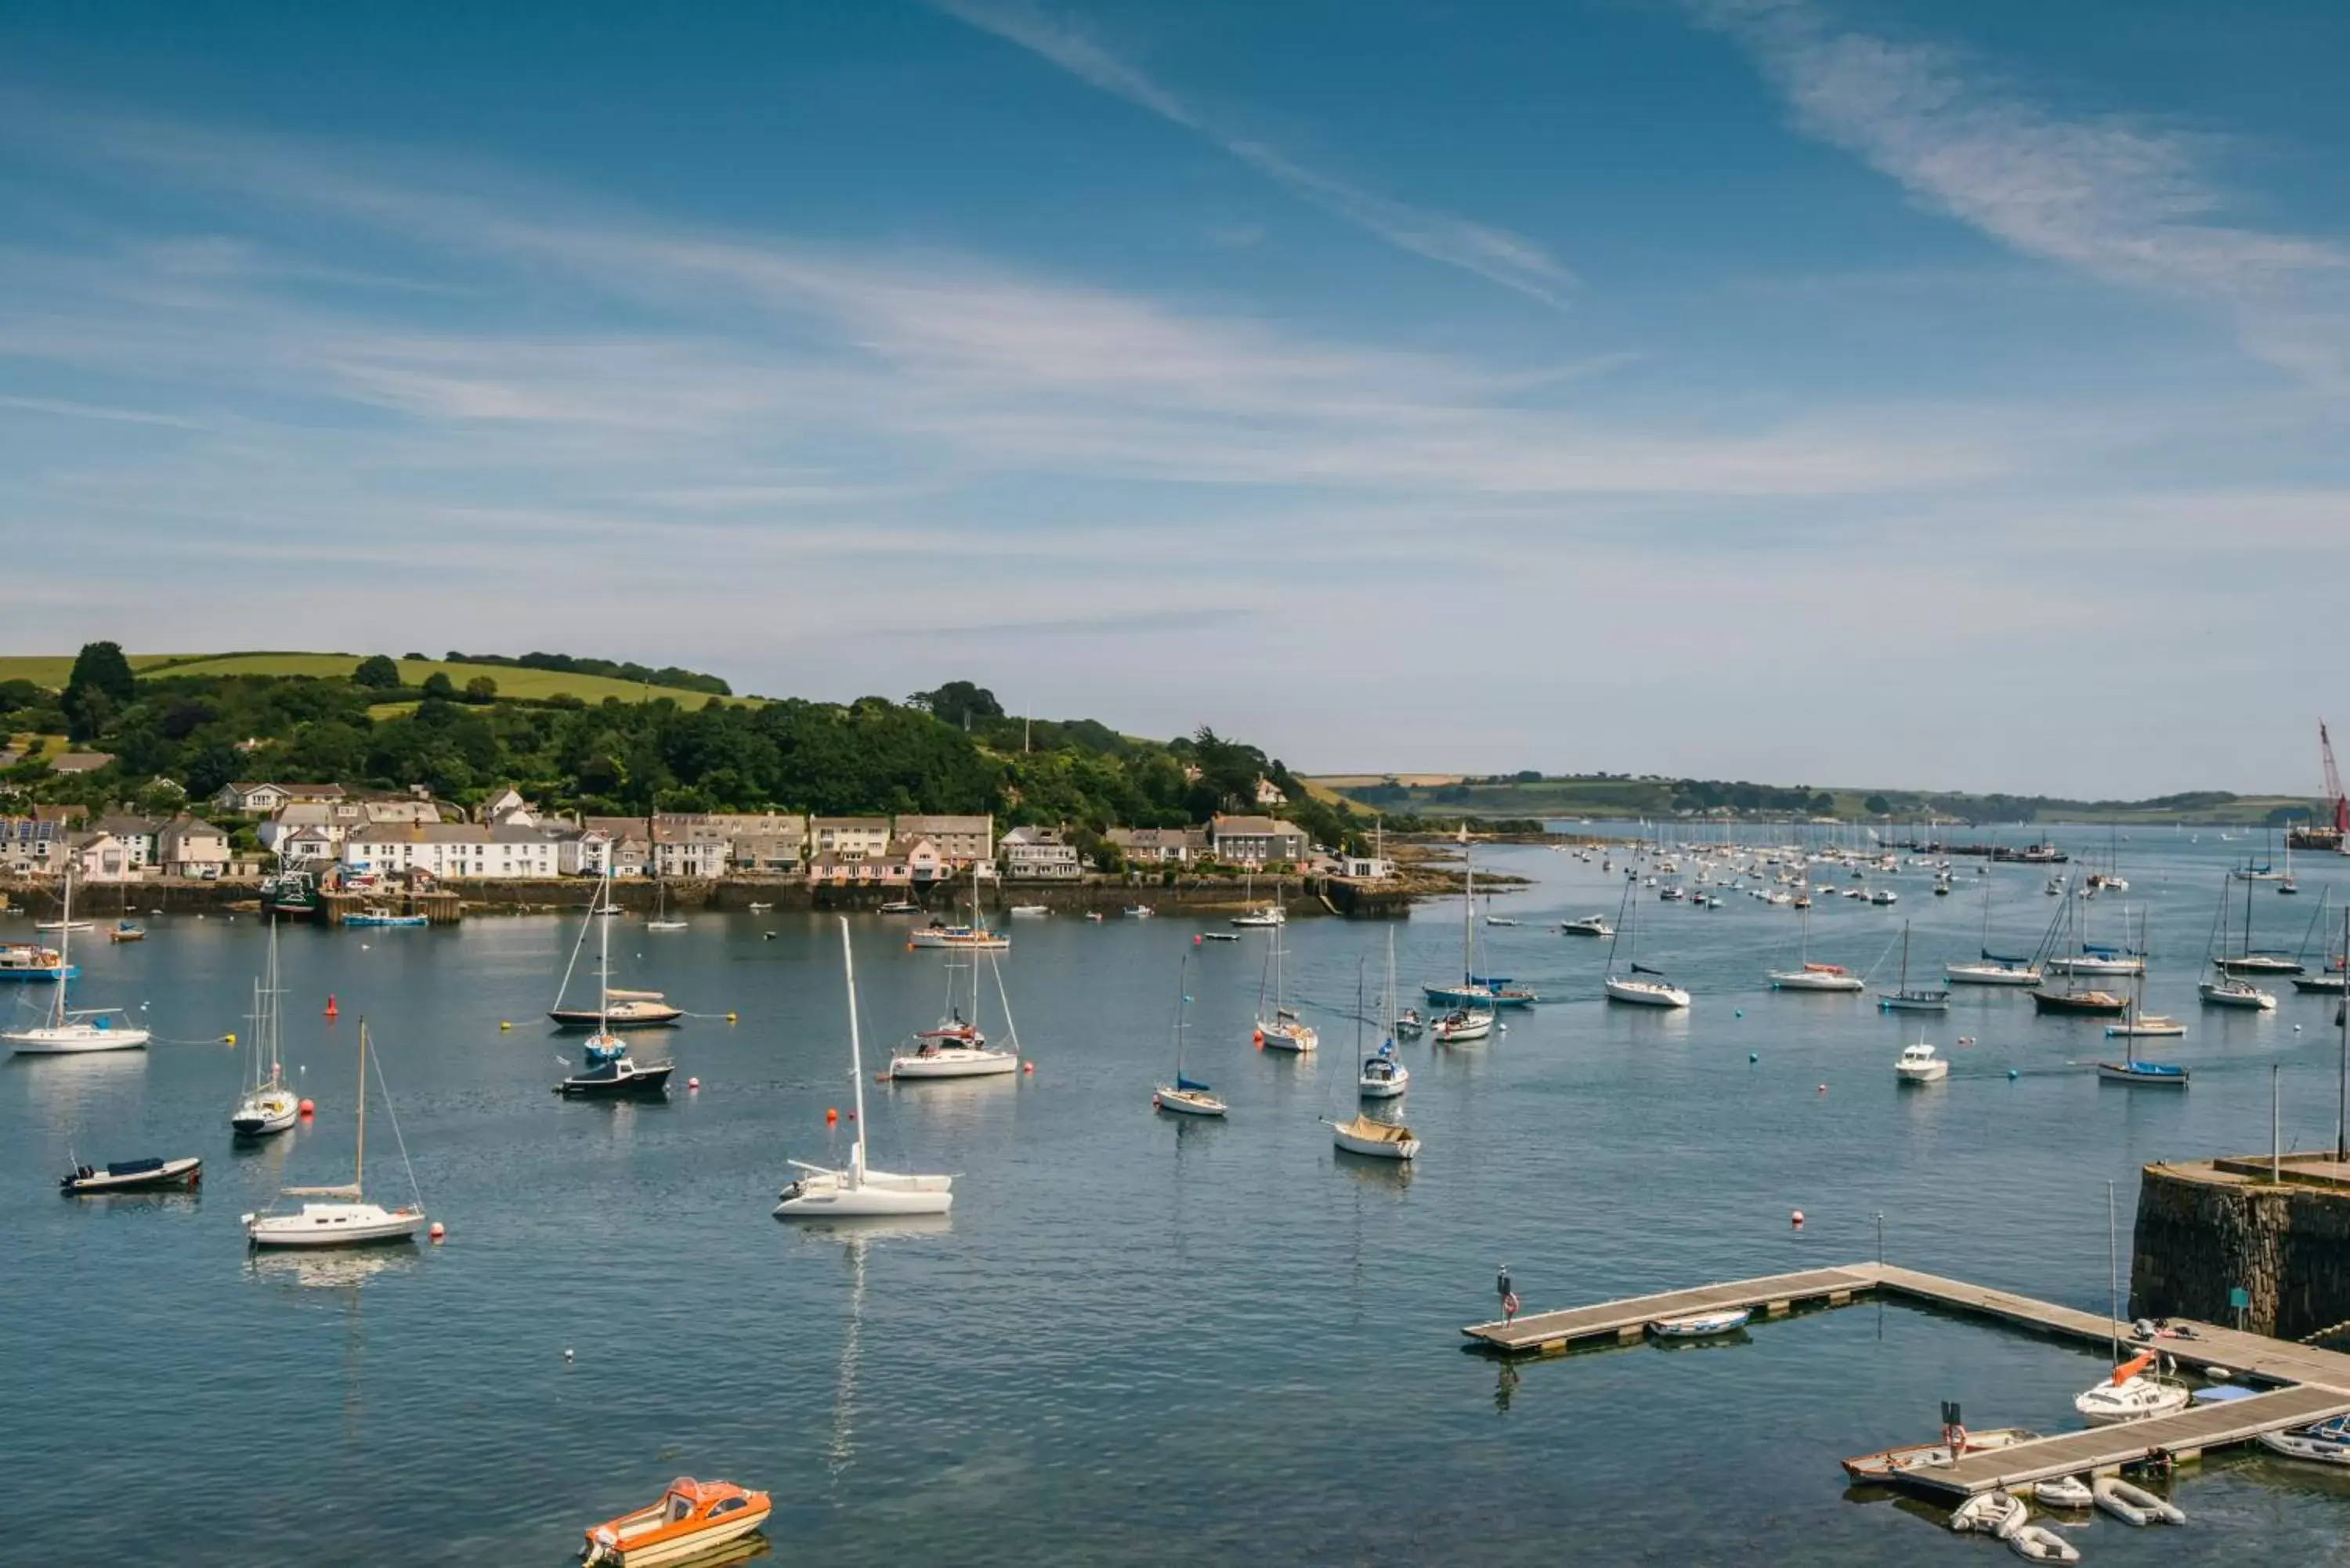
pixel 2337 806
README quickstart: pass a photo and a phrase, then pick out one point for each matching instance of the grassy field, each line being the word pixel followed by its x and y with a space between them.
pixel 53 669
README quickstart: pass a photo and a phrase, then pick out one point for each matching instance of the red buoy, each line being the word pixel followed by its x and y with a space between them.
pixel 308 1109
pixel 693 1083
pixel 332 1010
pixel 436 1232
pixel 831 1116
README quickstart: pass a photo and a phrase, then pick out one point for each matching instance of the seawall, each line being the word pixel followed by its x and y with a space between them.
pixel 2206 1229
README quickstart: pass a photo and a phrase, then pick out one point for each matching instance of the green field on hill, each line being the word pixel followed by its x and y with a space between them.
pixel 52 670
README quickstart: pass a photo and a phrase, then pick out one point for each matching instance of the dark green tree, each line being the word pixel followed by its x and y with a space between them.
pixel 481 688
pixel 959 703
pixel 100 686
pixel 438 684
pixel 378 672
pixel 1878 805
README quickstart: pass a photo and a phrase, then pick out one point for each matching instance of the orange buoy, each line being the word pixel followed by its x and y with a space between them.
pixel 1256 1038
pixel 1796 1220
pixel 308 1109
pixel 332 1010
pixel 436 1232
pixel 831 1115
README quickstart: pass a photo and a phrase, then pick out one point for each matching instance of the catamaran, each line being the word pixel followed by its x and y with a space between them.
pixel 268 1104
pixel 71 1032
pixel 860 1192
pixel 343 1216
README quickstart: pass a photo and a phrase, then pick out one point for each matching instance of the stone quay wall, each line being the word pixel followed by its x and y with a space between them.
pixel 2206 1229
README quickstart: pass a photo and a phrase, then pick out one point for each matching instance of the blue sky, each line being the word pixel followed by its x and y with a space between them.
pixel 1909 393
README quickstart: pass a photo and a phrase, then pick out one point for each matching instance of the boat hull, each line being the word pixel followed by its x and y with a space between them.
pixel 1645 993
pixel 2140 1072
pixel 271 1111
pixel 72 1042
pixel 818 1200
pixel 1372 1146
pixel 2080 1003
pixel 688 1544
pixel 1933 1072
pixel 1382 1088
pixel 164 1176
pixel 954 1064
pixel 637 1084
pixel 1989 974
pixel 1185 1103
pixel 572 1018
pixel 322 1225
pixel 1794 981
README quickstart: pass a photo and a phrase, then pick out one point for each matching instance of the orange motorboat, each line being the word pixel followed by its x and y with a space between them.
pixel 692 1518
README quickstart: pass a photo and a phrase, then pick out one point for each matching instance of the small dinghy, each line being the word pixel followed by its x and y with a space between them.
pixel 2135 1504
pixel 2064 1491
pixel 1891 1464
pixel 2038 1543
pixel 1701 1325
pixel 132 1175
pixel 1998 1514
pixel 2327 1443
pixel 1375 1139
pixel 692 1518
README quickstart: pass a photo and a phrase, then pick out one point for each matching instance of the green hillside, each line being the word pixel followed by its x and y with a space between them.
pixel 51 670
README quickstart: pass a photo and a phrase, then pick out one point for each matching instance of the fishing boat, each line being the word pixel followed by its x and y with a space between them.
pixel 1383 1077
pixel 1917 1064
pixel 1892 1464
pixel 607 1072
pixel 268 1104
pixel 341 1216
pixel 615 1008
pixel 2038 1543
pixel 1701 1325
pixel 1184 1096
pixel 376 915
pixel 2134 1504
pixel 1638 986
pixel 69 1031
pixel 692 1518
pixel 1586 926
pixel 1281 1029
pixel 2326 1443
pixel 1903 998
pixel 2159 1075
pixel 290 895
pixel 858 1191
pixel 1996 1513
pixel 957 1048
pixel 131 1175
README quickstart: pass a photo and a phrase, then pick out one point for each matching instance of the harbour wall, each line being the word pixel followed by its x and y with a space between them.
pixel 2206 1229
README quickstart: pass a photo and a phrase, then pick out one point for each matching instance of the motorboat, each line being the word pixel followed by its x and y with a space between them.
pixel 858 1191
pixel 2038 1543
pixel 376 915
pixel 2064 1491
pixel 1701 1325
pixel 1383 1077
pixel 1998 1514
pixel 692 1518
pixel 1409 1024
pixel 1586 926
pixel 2228 991
pixel 1029 911
pixel 1461 1026
pixel 2134 1504
pixel 1817 977
pixel 1892 1464
pixel 342 1216
pixel 69 1031
pixel 1883 895
pixel 2130 1395
pixel 1133 912
pixel 132 1175
pixel 900 907
pixel 2160 1074
pixel 1375 1139
pixel 32 962
pixel 2326 1443
pixel 607 1072
pixel 1917 1064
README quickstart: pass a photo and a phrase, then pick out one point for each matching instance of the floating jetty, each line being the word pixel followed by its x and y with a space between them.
pixel 2305 1385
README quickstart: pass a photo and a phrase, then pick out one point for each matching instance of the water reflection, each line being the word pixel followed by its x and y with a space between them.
pixel 344 1269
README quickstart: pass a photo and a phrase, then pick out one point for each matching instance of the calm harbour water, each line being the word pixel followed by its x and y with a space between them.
pixel 1137 1339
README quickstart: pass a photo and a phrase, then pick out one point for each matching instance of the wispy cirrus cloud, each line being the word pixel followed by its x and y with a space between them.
pixel 1489 251
pixel 2129 199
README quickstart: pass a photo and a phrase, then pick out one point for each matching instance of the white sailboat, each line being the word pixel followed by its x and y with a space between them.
pixel 1809 976
pixel 1991 967
pixel 1271 914
pixel 1283 1030
pixel 342 1217
pixel 1638 986
pixel 1367 1135
pixel 2128 1395
pixel 958 1048
pixel 71 1032
pixel 859 1190
pixel 269 1103
pixel 663 921
pixel 1383 1077
pixel 1183 1097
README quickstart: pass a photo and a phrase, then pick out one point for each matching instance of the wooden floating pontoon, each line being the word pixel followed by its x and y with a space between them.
pixel 2312 1384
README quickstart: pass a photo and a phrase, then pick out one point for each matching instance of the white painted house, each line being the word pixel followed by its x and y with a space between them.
pixel 450 851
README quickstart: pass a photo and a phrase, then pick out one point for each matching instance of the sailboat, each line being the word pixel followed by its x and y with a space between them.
pixel 343 1216
pixel 268 1105
pixel 1183 1097
pixel 1810 976
pixel 2128 1395
pixel 2139 1022
pixel 975 936
pixel 607 1072
pixel 1271 914
pixel 820 1193
pixel 615 1008
pixel 71 1032
pixel 2073 998
pixel 2252 961
pixel 1903 998
pixel 2288 887
pixel 661 920
pixel 1630 988
pixel 2331 973
pixel 1476 992
pixel 1285 1030
pixel 2227 988
pixel 1364 1135
pixel 957 1048
pixel 1383 1077
pixel 1991 968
